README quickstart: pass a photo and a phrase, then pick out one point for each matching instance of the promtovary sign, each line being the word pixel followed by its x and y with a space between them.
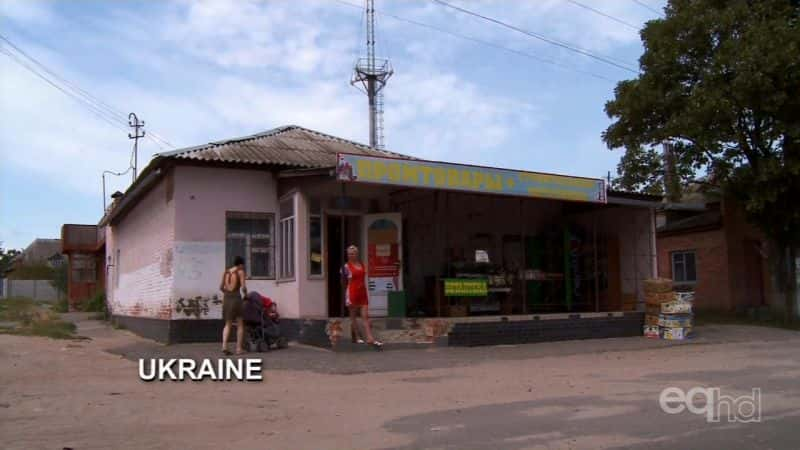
pixel 458 177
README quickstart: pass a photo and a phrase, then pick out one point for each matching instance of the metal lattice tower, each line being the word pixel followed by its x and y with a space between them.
pixel 371 74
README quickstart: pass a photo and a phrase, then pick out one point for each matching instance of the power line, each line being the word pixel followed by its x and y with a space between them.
pixel 485 43
pixel 98 107
pixel 570 47
pixel 601 13
pixel 99 103
pixel 99 114
pixel 646 6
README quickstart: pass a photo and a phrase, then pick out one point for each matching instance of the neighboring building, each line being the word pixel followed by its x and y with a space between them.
pixel 84 246
pixel 290 200
pixel 41 252
pixel 29 274
pixel 710 249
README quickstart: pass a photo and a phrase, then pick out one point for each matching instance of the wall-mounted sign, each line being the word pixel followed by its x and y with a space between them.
pixel 466 287
pixel 458 177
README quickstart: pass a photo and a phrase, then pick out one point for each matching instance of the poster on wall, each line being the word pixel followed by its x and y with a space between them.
pixel 383 255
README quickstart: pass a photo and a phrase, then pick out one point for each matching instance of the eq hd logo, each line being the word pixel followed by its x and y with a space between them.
pixel 710 403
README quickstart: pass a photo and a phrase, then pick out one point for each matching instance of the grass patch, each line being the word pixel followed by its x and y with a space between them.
pixel 20 309
pixel 32 318
pixel 62 305
pixel 56 329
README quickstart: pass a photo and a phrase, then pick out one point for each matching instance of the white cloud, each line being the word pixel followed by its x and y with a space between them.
pixel 29 11
pixel 225 69
pixel 439 115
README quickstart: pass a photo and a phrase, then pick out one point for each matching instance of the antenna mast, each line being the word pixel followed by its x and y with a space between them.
pixel 372 73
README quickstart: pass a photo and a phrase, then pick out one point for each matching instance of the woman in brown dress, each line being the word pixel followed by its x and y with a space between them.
pixel 232 285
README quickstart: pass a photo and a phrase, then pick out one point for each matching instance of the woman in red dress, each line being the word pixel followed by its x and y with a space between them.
pixel 354 278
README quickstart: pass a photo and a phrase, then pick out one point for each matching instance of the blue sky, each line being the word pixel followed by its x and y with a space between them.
pixel 202 71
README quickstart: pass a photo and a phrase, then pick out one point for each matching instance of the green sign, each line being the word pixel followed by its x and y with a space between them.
pixel 466 287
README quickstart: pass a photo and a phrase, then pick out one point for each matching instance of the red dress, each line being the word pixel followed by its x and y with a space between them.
pixel 356 294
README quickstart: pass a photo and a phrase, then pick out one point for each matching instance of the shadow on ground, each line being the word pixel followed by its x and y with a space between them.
pixel 586 422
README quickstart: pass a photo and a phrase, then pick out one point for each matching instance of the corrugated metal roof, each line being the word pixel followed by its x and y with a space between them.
pixel 292 146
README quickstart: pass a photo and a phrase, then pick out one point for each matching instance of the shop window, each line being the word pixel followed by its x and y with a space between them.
pixel 286 230
pixel 314 238
pixel 683 267
pixel 83 268
pixel 250 235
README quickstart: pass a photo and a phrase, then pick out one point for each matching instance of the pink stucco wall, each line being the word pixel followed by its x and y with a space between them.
pixel 202 197
pixel 140 248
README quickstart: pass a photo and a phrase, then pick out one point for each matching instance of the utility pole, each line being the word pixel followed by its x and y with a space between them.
pixel 372 73
pixel 134 123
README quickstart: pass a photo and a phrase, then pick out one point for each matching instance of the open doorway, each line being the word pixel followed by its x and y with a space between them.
pixel 341 231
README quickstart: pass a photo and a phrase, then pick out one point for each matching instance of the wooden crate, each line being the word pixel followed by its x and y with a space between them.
pixel 657 285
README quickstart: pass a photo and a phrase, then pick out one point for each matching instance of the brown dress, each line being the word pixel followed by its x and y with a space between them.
pixel 232 301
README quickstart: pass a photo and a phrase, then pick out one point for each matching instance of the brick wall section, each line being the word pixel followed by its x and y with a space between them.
pixel 732 271
pixel 747 276
pixel 712 290
pixel 528 331
pixel 145 238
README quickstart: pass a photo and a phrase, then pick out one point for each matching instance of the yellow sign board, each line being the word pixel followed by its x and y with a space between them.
pixel 458 177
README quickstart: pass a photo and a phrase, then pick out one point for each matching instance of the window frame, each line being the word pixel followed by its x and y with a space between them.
pixel 84 266
pixel 248 256
pixel 674 264
pixel 287 232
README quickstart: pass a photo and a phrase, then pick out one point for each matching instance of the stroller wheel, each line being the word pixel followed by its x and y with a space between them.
pixel 283 342
pixel 263 346
pixel 253 346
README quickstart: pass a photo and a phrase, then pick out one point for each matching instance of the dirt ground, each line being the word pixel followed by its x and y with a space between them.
pixel 579 394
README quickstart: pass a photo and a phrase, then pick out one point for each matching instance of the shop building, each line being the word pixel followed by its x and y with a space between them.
pixel 495 255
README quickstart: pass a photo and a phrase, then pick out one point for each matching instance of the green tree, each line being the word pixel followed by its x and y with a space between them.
pixel 720 80
pixel 6 258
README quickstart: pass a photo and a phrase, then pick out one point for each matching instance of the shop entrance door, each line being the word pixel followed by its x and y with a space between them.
pixel 341 231
pixel 383 247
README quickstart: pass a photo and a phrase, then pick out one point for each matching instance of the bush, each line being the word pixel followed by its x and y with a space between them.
pixel 96 303
pixel 61 305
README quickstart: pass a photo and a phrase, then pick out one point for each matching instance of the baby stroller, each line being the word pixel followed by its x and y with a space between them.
pixel 261 322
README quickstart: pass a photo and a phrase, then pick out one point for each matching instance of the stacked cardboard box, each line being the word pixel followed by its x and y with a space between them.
pixel 676 319
pixel 656 292
pixel 668 314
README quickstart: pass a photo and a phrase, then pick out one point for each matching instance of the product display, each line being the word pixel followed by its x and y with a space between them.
pixel 675 320
pixel 652 331
pixel 676 333
pixel 676 307
pixel 668 314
